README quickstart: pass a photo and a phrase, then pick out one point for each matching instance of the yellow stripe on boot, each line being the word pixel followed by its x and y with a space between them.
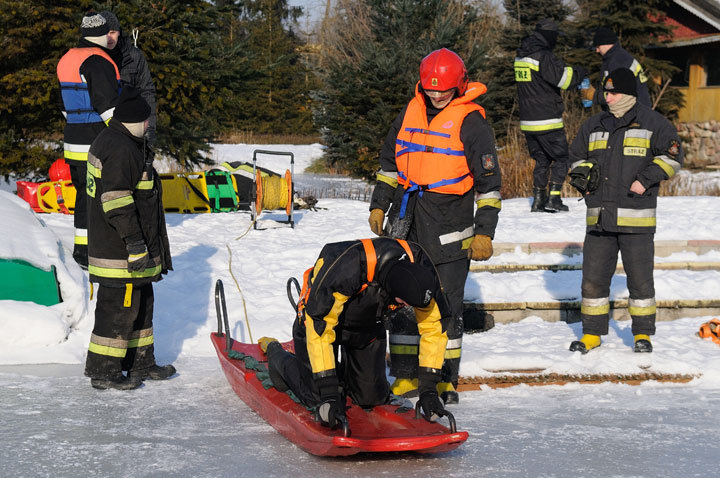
pixel 264 342
pixel 642 344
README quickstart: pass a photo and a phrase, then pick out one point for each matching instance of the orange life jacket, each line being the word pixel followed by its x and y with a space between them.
pixel 432 156
pixel 74 88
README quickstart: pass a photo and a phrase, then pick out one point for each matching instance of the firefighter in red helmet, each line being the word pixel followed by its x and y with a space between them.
pixel 438 162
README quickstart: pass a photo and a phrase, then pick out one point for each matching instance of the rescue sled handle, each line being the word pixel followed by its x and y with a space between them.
pixel 451 417
pixel 222 318
pixel 293 281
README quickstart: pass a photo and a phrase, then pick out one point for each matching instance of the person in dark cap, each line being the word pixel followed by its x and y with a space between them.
pixel 540 77
pixel 89 84
pixel 133 66
pixel 128 249
pixel 620 157
pixel 341 311
pixel 607 44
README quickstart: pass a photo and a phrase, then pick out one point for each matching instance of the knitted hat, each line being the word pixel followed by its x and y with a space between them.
pixel 410 282
pixel 112 20
pixel 604 36
pixel 131 107
pixel 93 25
pixel 621 80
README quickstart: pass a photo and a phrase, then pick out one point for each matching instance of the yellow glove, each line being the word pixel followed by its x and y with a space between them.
pixel 588 94
pixel 377 217
pixel 480 248
pixel 264 342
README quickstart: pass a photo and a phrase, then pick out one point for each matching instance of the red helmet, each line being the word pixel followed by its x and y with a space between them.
pixel 59 170
pixel 442 70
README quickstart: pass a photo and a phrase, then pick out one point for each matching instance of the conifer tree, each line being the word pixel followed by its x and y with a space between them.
pixel 277 99
pixel 371 54
pixel 33 37
pixel 197 67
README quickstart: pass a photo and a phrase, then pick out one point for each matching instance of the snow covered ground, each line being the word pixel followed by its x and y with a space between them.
pixel 53 423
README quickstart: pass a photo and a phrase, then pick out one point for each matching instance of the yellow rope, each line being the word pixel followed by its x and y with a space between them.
pixel 247 321
pixel 275 193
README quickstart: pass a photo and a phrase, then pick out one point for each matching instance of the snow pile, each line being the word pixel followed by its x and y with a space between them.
pixel 27 328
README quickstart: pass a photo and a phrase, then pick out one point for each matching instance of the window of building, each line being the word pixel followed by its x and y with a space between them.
pixel 711 63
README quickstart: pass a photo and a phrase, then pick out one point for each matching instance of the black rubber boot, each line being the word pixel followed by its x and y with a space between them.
pixel 278 382
pixel 450 398
pixel 643 346
pixel 555 203
pixel 540 199
pixel 120 382
pixel 156 372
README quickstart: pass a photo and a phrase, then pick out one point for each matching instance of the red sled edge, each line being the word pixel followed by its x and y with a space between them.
pixel 296 424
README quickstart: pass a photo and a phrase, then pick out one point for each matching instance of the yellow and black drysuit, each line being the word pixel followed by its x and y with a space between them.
pixel 344 310
pixel 124 207
pixel 436 166
pixel 89 86
pixel 540 77
pixel 641 145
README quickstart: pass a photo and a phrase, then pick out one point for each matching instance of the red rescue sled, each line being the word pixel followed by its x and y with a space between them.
pixel 386 428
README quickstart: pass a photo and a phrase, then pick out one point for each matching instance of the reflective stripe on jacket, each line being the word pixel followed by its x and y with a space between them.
pixel 432 156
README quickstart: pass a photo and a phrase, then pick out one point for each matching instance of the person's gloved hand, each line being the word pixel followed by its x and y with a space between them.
pixel 431 405
pixel 138 257
pixel 376 220
pixel 480 248
pixel 585 178
pixel 331 412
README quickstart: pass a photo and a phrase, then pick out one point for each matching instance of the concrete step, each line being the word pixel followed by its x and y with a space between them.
pixel 569 311
pixel 666 266
pixel 662 248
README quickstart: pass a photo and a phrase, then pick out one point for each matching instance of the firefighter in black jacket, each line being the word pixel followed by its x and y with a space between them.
pixel 128 250
pixel 134 70
pixel 620 157
pixel 438 160
pixel 614 56
pixel 540 76
pixel 89 86
pixel 343 303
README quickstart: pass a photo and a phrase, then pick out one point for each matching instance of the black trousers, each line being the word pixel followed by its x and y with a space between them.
pixel 360 370
pixel 550 152
pixel 600 254
pixel 78 175
pixel 122 338
pixel 405 338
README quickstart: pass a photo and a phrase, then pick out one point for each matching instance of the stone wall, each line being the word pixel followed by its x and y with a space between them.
pixel 701 142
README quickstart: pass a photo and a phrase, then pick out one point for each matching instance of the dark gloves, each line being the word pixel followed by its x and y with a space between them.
pixel 585 177
pixel 581 72
pixel 332 412
pixel 138 257
pixel 429 401
pixel 431 405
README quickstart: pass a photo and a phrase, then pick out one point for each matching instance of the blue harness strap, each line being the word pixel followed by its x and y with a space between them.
pixel 410 147
pixel 419 187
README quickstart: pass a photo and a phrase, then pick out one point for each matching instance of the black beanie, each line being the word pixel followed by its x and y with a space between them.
pixel 93 25
pixel 621 80
pixel 131 107
pixel 604 36
pixel 112 20
pixel 410 282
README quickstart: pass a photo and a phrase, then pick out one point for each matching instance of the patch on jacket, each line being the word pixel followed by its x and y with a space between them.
pixel 674 148
pixel 488 161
